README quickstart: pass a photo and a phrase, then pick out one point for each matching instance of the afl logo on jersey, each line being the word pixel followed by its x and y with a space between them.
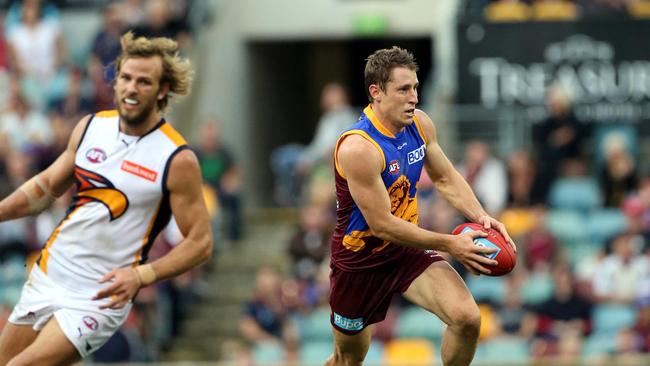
pixel 90 322
pixel 95 155
pixel 393 167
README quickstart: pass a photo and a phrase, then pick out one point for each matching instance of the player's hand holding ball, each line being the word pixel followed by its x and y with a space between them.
pixel 502 253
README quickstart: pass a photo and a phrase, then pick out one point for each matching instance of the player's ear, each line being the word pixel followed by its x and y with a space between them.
pixel 375 92
pixel 164 89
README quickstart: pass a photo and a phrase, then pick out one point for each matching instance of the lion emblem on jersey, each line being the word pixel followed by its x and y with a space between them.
pixel 401 204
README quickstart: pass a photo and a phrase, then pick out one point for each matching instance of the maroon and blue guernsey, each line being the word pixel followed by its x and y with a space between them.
pixel 353 247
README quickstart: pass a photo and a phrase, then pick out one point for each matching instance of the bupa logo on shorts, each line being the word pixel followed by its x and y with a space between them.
pixel 416 155
pixel 90 322
pixel 393 167
pixel 95 155
pixel 348 324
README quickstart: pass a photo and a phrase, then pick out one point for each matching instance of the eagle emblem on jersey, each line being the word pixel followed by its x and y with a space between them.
pixel 94 187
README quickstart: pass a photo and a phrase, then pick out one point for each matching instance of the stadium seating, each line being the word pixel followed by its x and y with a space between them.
pixel 315 352
pixel 419 323
pixel 267 353
pixel 604 224
pixel 315 326
pixel 413 352
pixel 487 289
pixel 575 193
pixel 567 226
pixel 502 351
pixel 610 318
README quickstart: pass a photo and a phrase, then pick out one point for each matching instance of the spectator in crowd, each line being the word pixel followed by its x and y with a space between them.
pixel 266 317
pixel 523 186
pixel 36 45
pixel 106 43
pixel 618 177
pixel 294 165
pixel 159 22
pixel 309 245
pixel 221 173
pixel 621 272
pixel 558 138
pixel 25 128
pixel 486 175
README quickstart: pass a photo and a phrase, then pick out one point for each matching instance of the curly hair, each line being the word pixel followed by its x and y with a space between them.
pixel 380 64
pixel 177 71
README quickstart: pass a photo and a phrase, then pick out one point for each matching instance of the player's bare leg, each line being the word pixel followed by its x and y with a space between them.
pixel 440 290
pixel 350 350
pixel 14 339
pixel 51 347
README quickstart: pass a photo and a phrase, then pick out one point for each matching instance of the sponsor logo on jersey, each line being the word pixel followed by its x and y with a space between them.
pixel 402 145
pixel 95 155
pixel 416 155
pixel 393 167
pixel 139 170
pixel 348 324
pixel 90 322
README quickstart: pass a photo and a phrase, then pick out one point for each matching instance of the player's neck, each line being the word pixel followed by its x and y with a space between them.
pixel 385 120
pixel 141 129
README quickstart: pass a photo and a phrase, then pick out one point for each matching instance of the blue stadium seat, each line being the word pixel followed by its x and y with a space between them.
pixel 315 326
pixel 598 345
pixel 315 352
pixel 604 224
pixel 537 288
pixel 581 194
pixel 266 353
pixel 567 226
pixel 414 322
pixel 503 351
pixel 610 318
pixel 375 355
pixel 487 289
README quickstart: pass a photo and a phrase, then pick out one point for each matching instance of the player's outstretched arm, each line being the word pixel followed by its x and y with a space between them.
pixel 451 184
pixel 40 191
pixel 188 207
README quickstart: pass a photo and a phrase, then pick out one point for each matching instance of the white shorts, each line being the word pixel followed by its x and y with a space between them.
pixel 84 324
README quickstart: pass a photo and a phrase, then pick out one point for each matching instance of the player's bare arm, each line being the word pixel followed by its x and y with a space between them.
pixel 38 193
pixel 190 212
pixel 451 184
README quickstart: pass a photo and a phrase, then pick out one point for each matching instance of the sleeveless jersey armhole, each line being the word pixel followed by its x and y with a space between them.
pixel 418 125
pixel 365 136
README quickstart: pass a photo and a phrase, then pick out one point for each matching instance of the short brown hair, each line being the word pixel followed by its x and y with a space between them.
pixel 177 72
pixel 380 64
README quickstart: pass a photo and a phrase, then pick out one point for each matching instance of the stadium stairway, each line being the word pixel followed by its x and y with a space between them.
pixel 214 321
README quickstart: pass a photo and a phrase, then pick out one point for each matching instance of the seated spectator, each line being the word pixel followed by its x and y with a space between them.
pixel 486 175
pixel 309 245
pixel 266 316
pixel 618 177
pixel 221 172
pixel 558 138
pixel 35 45
pixel 159 22
pixel 294 165
pixel 25 128
pixel 619 277
pixel 523 186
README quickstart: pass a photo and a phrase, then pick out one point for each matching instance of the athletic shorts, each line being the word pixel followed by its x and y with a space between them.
pixel 358 299
pixel 83 323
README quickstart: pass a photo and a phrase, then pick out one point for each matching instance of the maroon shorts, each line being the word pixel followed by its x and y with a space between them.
pixel 358 299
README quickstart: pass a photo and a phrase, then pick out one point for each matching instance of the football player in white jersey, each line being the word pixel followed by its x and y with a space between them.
pixel 133 171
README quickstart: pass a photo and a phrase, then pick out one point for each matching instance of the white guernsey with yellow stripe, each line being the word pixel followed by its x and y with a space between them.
pixel 121 204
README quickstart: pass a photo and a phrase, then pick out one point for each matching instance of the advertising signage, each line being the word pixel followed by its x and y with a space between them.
pixel 604 66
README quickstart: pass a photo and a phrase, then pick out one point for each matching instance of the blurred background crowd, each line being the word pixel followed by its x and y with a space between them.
pixel 556 155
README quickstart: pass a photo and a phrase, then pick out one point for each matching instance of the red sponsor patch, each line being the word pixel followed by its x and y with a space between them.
pixel 139 170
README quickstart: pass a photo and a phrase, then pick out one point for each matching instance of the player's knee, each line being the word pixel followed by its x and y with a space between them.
pixel 467 320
